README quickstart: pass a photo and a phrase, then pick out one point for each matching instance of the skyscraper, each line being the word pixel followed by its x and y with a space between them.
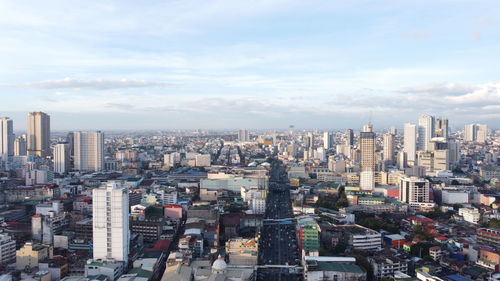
pixel 367 163
pixel 441 128
pixel 243 136
pixel 349 137
pixel 6 138
pixel 89 151
pixel 38 134
pixel 327 140
pixel 309 141
pixel 470 132
pixel 110 222
pixel 425 132
pixel 61 158
pixel 410 142
pixel 388 154
pixel 20 148
pixel 481 133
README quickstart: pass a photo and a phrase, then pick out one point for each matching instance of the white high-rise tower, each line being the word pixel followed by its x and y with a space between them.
pixel 367 163
pixel 425 132
pixel 111 234
pixel 6 138
pixel 61 158
pixel 89 151
pixel 410 143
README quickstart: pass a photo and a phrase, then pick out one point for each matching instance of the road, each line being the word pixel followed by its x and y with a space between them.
pixel 278 241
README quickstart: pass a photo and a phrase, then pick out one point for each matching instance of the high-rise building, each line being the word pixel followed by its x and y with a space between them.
pixel 414 190
pixel 481 133
pixel 243 136
pixel 6 138
pixel 61 158
pixel 38 134
pixel 441 128
pixel 425 132
pixel 367 163
pixel 475 133
pixel 327 140
pixel 89 151
pixel 393 130
pixel 309 141
pixel 20 147
pixel 388 154
pixel 349 137
pixel 410 142
pixel 470 132
pixel 111 234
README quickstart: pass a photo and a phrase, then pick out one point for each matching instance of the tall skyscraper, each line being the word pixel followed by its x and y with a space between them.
pixel 425 132
pixel 481 133
pixel 6 138
pixel 61 158
pixel 367 163
pixel 475 132
pixel 20 147
pixel 89 151
pixel 441 128
pixel 309 141
pixel 327 140
pixel 110 213
pixel 410 142
pixel 349 137
pixel 38 134
pixel 470 132
pixel 388 154
pixel 243 136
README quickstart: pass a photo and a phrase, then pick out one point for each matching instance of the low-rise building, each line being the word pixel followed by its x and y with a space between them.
pixel 332 268
pixel 31 254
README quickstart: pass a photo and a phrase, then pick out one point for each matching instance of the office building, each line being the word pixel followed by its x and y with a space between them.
pixel 321 268
pixel 475 133
pixel 327 140
pixel 61 158
pixel 20 147
pixel 38 134
pixel 481 133
pixel 388 154
pixel 367 163
pixel 309 142
pixel 441 128
pixel 243 136
pixel 308 232
pixel 110 222
pixel 6 138
pixel 7 249
pixel 425 132
pixel 433 161
pixel 416 192
pixel 89 151
pixel 410 143
pixel 349 137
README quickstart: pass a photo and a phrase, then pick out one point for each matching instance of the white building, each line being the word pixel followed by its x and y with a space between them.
pixel 167 197
pixel 203 160
pixel 416 192
pixel 7 249
pixel 471 215
pixel 20 147
pixel 6 138
pixel 89 151
pixel 410 143
pixel 327 140
pixel 425 132
pixel 61 158
pixel 243 136
pixel 454 196
pixel 258 205
pixel 110 222
pixel 39 177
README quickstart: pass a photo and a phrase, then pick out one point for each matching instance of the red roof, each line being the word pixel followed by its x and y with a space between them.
pixel 159 246
pixel 441 238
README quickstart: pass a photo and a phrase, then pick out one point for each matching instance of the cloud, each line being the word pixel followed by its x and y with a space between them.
pixel 94 84
pixel 441 89
pixel 418 34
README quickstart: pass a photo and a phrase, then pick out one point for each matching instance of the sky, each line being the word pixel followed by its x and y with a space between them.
pixel 213 64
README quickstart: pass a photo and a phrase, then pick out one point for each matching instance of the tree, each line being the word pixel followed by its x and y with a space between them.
pixel 494 223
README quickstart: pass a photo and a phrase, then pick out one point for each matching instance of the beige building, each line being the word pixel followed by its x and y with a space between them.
pixel 367 163
pixel 31 254
pixel 242 251
pixel 38 134
pixel 89 151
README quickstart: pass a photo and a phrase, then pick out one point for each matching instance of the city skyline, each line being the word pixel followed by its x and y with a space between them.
pixel 230 64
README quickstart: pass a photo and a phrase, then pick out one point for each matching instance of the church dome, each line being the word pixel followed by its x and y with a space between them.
pixel 219 264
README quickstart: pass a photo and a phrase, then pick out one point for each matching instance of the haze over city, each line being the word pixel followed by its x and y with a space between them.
pixel 254 64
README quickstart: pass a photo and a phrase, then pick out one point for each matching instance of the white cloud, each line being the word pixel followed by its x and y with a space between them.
pixel 95 84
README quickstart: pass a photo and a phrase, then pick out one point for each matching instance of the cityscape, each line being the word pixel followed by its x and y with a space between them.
pixel 416 201
pixel 263 140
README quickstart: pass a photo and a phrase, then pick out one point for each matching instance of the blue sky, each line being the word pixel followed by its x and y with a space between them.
pixel 255 64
